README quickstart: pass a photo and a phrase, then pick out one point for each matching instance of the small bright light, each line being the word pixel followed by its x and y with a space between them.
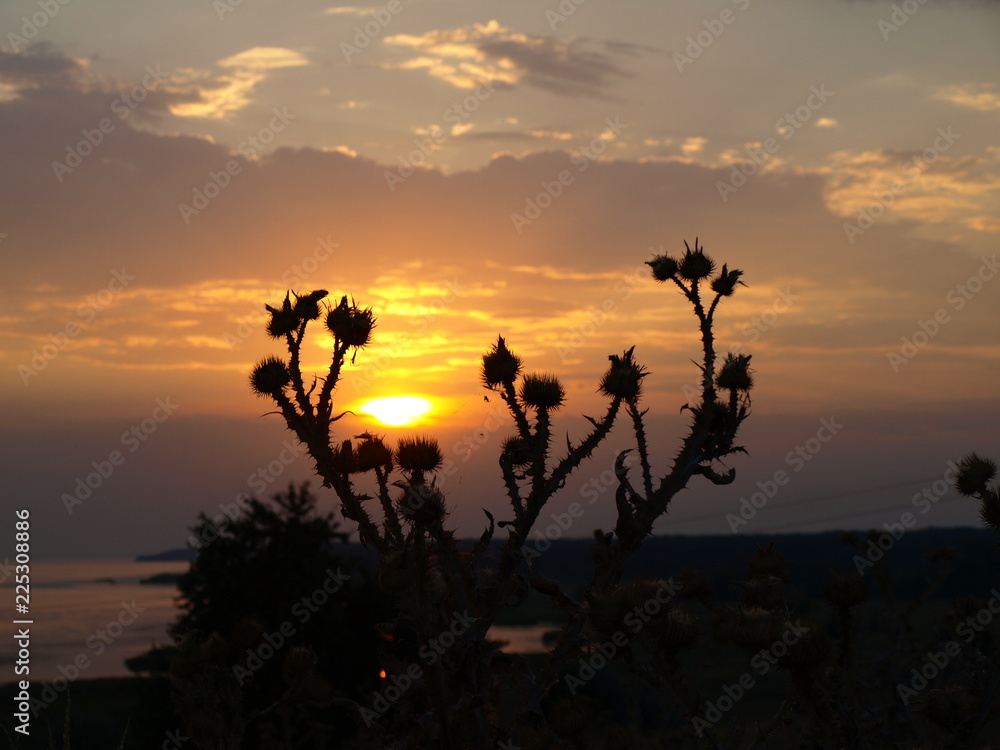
pixel 397 410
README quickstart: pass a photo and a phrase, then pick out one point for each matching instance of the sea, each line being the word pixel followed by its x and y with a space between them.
pixel 89 616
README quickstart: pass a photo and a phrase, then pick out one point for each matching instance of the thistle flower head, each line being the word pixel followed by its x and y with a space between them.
pixel 767 561
pixel 695 264
pixel 422 503
pixel 726 282
pixel 418 454
pixel 845 589
pixel 758 628
pixel 623 378
pixel 735 373
pixel 283 320
pixel 350 324
pixel 270 377
pixel 542 391
pixel 664 267
pixel 809 651
pixel 974 473
pixel 517 451
pixel 307 306
pixel 373 453
pixel 344 459
pixel 767 592
pixel 500 365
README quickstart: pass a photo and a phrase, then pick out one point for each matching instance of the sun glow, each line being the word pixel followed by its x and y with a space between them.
pixel 397 410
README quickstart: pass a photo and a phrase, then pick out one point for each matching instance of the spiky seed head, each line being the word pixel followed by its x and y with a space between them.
pixel 350 324
pixel 299 664
pixel 307 306
pixel 418 454
pixel 344 459
pixel 735 373
pixel 768 561
pixel 623 378
pixel 500 365
pixel 373 453
pixel 974 473
pixel 768 592
pixel 517 451
pixel 989 511
pixel 422 503
pixel 282 321
pixel 758 628
pixel 270 377
pixel 726 283
pixel 845 589
pixel 695 264
pixel 664 267
pixel 809 651
pixel 542 391
pixel 693 584
pixel 675 629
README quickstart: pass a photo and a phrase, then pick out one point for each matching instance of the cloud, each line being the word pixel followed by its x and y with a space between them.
pixel 927 186
pixel 468 56
pixel 982 96
pixel 693 145
pixel 218 96
pixel 37 67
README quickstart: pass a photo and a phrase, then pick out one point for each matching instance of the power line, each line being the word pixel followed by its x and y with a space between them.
pixel 828 498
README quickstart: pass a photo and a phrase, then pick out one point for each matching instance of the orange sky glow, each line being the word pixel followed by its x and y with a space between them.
pixel 474 170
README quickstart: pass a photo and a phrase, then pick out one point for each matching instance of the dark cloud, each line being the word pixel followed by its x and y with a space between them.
pixel 37 66
pixel 557 67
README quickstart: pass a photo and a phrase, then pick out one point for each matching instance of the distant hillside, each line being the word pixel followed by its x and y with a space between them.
pixel 723 558
pixel 171 555
pixel 811 558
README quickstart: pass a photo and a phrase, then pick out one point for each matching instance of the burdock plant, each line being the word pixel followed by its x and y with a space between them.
pixel 456 702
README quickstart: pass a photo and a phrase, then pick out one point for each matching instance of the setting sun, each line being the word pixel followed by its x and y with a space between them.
pixel 397 410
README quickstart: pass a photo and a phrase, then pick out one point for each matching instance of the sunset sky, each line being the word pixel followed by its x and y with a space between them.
pixel 470 169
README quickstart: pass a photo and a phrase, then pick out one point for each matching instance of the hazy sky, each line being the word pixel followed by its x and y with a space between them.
pixel 470 169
